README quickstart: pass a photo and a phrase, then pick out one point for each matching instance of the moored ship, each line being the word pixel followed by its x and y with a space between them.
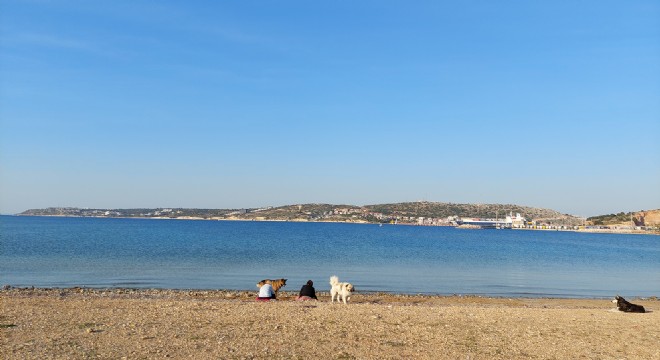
pixel 507 223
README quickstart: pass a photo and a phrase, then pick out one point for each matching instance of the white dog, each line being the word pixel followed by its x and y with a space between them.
pixel 342 289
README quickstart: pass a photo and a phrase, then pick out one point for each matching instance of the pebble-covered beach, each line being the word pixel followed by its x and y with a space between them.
pixel 133 324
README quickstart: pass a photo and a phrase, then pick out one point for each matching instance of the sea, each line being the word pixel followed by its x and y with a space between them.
pixel 58 252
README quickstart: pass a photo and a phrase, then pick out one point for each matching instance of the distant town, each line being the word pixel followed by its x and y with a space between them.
pixel 421 213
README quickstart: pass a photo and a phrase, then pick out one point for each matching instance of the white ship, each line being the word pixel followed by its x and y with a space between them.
pixel 507 223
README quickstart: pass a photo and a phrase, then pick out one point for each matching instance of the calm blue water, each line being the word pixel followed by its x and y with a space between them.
pixel 180 254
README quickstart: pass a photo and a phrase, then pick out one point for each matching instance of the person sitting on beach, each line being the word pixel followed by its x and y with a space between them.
pixel 307 292
pixel 266 292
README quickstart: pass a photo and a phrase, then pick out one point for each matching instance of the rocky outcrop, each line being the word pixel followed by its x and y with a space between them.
pixel 647 218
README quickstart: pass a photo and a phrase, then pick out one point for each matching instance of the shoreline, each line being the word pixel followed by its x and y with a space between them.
pixel 128 323
pixel 359 297
pixel 287 294
pixel 583 230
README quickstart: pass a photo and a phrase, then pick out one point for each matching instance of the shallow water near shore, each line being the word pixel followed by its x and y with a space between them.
pixel 189 254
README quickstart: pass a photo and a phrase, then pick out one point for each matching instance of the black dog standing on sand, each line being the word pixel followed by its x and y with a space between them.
pixel 625 306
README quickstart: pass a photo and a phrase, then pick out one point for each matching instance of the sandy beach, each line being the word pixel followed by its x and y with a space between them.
pixel 134 324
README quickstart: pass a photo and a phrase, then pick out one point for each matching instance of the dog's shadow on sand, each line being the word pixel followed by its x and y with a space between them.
pixel 615 310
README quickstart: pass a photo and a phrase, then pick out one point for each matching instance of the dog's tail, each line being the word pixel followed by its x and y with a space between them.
pixel 334 280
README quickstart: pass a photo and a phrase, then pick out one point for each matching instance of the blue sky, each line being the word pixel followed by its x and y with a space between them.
pixel 122 104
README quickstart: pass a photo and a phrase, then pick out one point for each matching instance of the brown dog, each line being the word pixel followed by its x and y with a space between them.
pixel 276 283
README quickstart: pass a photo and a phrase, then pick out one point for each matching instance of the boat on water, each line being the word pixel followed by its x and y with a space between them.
pixel 507 223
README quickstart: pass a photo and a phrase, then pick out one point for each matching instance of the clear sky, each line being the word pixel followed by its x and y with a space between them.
pixel 231 104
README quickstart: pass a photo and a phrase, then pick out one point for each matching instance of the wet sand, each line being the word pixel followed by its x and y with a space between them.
pixel 133 324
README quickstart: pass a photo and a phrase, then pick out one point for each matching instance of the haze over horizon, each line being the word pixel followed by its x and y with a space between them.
pixel 141 104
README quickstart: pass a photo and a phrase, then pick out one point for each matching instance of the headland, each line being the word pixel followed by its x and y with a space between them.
pixel 420 213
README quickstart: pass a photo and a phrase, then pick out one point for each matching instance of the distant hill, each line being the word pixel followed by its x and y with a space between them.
pixel 421 212
pixel 438 209
pixel 638 218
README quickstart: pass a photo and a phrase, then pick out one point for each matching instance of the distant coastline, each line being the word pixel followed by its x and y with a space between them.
pixel 421 213
pixel 579 229
pixel 416 213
